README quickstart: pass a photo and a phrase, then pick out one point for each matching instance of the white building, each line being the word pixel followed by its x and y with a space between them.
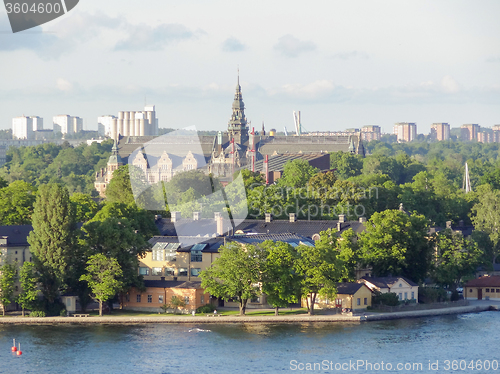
pixel 405 131
pixel 66 124
pixel 23 127
pixel 104 124
pixel 142 123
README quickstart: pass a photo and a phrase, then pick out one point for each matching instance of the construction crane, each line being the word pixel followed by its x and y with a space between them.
pixel 298 125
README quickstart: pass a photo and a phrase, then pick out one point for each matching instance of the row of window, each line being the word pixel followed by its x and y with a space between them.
pixel 168 252
pixel 161 299
pixel 400 296
pixel 365 301
pixel 169 272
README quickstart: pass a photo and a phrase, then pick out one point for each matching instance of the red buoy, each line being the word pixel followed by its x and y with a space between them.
pixel 14 348
pixel 19 352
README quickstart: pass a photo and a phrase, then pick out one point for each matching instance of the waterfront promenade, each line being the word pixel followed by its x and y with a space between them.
pixel 474 307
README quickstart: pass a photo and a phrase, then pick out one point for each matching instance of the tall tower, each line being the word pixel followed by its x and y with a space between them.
pixel 237 126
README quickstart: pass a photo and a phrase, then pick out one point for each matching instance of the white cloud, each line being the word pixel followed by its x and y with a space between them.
pixel 233 45
pixel 290 46
pixel 64 85
pixel 351 55
pixel 144 37
pixel 450 85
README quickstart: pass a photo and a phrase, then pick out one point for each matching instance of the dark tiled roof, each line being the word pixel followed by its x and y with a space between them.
pixel 284 237
pixel 171 284
pixel 257 226
pixel 387 282
pixel 16 235
pixel 493 281
pixel 277 162
pixel 348 288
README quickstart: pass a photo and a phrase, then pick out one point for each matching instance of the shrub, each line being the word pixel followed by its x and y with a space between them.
pixel 37 313
pixel 389 299
pixel 208 308
pixel 431 295
pixel 63 312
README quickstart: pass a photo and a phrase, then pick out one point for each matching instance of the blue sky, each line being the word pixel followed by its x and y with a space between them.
pixel 341 63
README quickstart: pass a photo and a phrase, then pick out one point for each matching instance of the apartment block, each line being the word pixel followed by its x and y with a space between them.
pixel 371 132
pixel 24 127
pixel 67 124
pixel 470 131
pixel 405 131
pixel 440 131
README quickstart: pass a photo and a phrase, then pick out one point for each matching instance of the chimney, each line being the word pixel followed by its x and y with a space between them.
pixel 293 218
pixel 266 168
pixel 341 218
pixel 448 224
pixel 362 219
pixel 339 226
pixel 217 215
pixel 196 216
pixel 220 225
pixel 175 216
pixel 269 217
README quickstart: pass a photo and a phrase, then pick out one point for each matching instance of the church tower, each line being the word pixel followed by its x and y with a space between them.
pixel 114 162
pixel 237 126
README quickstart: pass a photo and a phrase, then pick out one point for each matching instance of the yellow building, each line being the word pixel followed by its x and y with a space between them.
pixel 353 296
pixel 401 286
pixel 487 288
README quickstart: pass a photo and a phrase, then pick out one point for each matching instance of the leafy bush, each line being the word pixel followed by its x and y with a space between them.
pixel 389 299
pixel 37 313
pixel 63 312
pixel 208 308
pixel 431 295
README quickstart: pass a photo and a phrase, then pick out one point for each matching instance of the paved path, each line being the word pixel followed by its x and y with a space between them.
pixel 474 307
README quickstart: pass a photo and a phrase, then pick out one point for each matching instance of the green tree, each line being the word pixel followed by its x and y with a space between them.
pixel 176 303
pixel 280 283
pixel 397 244
pixel 486 216
pixel 84 206
pixel 235 274
pixel 28 297
pixel 116 238
pixel 16 203
pixel 119 189
pixel 7 279
pixel 53 239
pixel 457 257
pixel 103 276
pixel 347 164
pixel 320 268
pixel 297 173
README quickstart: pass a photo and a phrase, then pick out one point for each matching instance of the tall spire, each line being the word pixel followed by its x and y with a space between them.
pixel 237 126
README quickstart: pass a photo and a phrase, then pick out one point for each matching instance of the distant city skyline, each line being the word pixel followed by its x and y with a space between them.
pixel 342 64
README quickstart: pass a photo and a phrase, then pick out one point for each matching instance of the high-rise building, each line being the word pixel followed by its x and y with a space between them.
pixel 23 127
pixel 470 131
pixel 405 131
pixel 440 131
pixel 370 132
pixel 496 133
pixel 133 123
pixel 66 124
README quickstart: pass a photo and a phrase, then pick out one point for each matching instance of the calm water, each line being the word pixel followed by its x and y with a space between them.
pixel 251 348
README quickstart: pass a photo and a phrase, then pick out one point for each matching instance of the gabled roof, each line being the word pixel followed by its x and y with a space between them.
pixel 493 281
pixel 387 282
pixel 348 288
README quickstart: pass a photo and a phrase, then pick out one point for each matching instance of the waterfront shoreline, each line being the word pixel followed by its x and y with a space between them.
pixel 300 318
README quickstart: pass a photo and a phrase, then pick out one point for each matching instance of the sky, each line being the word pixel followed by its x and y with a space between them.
pixel 343 64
